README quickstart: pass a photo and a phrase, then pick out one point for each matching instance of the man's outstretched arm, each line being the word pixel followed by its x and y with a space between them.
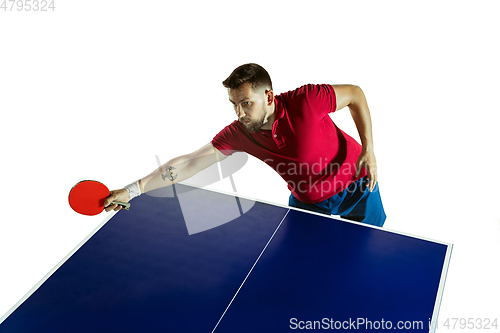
pixel 173 171
pixel 353 97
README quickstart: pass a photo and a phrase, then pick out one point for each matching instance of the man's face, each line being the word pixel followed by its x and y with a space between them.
pixel 250 106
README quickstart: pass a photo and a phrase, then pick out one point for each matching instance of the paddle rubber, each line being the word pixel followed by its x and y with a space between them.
pixel 87 197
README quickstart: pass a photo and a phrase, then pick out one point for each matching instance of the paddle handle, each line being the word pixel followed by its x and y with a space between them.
pixel 125 205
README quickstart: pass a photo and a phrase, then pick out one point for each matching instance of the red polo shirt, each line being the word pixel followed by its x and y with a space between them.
pixel 305 147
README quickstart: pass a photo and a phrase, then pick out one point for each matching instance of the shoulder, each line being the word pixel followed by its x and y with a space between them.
pixel 227 139
pixel 309 91
pixel 320 97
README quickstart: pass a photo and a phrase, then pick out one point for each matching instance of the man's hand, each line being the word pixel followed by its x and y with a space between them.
pixel 367 160
pixel 116 195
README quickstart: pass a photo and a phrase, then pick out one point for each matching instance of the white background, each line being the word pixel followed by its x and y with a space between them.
pixel 96 89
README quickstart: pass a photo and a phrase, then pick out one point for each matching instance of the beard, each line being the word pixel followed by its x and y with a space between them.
pixel 254 125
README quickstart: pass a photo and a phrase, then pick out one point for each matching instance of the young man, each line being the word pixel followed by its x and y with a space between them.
pixel 326 170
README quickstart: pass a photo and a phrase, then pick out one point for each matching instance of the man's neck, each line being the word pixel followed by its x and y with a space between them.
pixel 270 119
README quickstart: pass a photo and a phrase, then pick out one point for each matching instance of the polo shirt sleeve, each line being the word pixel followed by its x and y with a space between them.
pixel 318 99
pixel 321 98
pixel 225 141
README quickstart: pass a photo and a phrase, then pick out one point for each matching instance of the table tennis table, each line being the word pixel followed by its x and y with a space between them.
pixel 206 261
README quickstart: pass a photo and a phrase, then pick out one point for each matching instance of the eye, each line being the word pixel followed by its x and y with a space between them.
pixel 247 103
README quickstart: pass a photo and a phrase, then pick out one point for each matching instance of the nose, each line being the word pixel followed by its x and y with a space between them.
pixel 239 111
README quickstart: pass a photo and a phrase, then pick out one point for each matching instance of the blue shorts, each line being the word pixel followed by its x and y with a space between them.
pixel 355 203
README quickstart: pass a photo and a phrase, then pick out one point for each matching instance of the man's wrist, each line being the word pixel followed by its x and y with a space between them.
pixel 367 147
pixel 133 189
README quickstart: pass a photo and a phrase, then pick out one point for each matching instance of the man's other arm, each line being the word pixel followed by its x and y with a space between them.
pixel 353 97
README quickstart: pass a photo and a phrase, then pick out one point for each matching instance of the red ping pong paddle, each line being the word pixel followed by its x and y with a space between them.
pixel 87 198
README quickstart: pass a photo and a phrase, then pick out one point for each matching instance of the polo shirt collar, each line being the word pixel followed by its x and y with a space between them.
pixel 279 113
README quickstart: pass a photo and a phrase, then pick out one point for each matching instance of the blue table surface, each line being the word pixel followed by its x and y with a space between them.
pixel 143 272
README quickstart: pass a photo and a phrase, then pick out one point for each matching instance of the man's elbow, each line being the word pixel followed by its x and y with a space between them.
pixel 357 95
pixel 356 90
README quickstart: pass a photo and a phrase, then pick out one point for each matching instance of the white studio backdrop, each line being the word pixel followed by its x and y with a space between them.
pixel 98 89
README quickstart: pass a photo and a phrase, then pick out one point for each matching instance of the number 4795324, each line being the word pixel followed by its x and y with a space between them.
pixel 471 323
pixel 27 5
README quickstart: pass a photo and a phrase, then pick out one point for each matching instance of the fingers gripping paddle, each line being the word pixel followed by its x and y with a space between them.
pixel 87 198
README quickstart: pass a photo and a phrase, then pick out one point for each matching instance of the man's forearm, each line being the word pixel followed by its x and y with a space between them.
pixel 172 172
pixel 180 168
pixel 361 116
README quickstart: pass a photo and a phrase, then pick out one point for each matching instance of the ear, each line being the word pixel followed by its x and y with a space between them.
pixel 270 97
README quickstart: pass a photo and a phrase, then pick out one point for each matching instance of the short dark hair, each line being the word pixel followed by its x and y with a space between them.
pixel 254 74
